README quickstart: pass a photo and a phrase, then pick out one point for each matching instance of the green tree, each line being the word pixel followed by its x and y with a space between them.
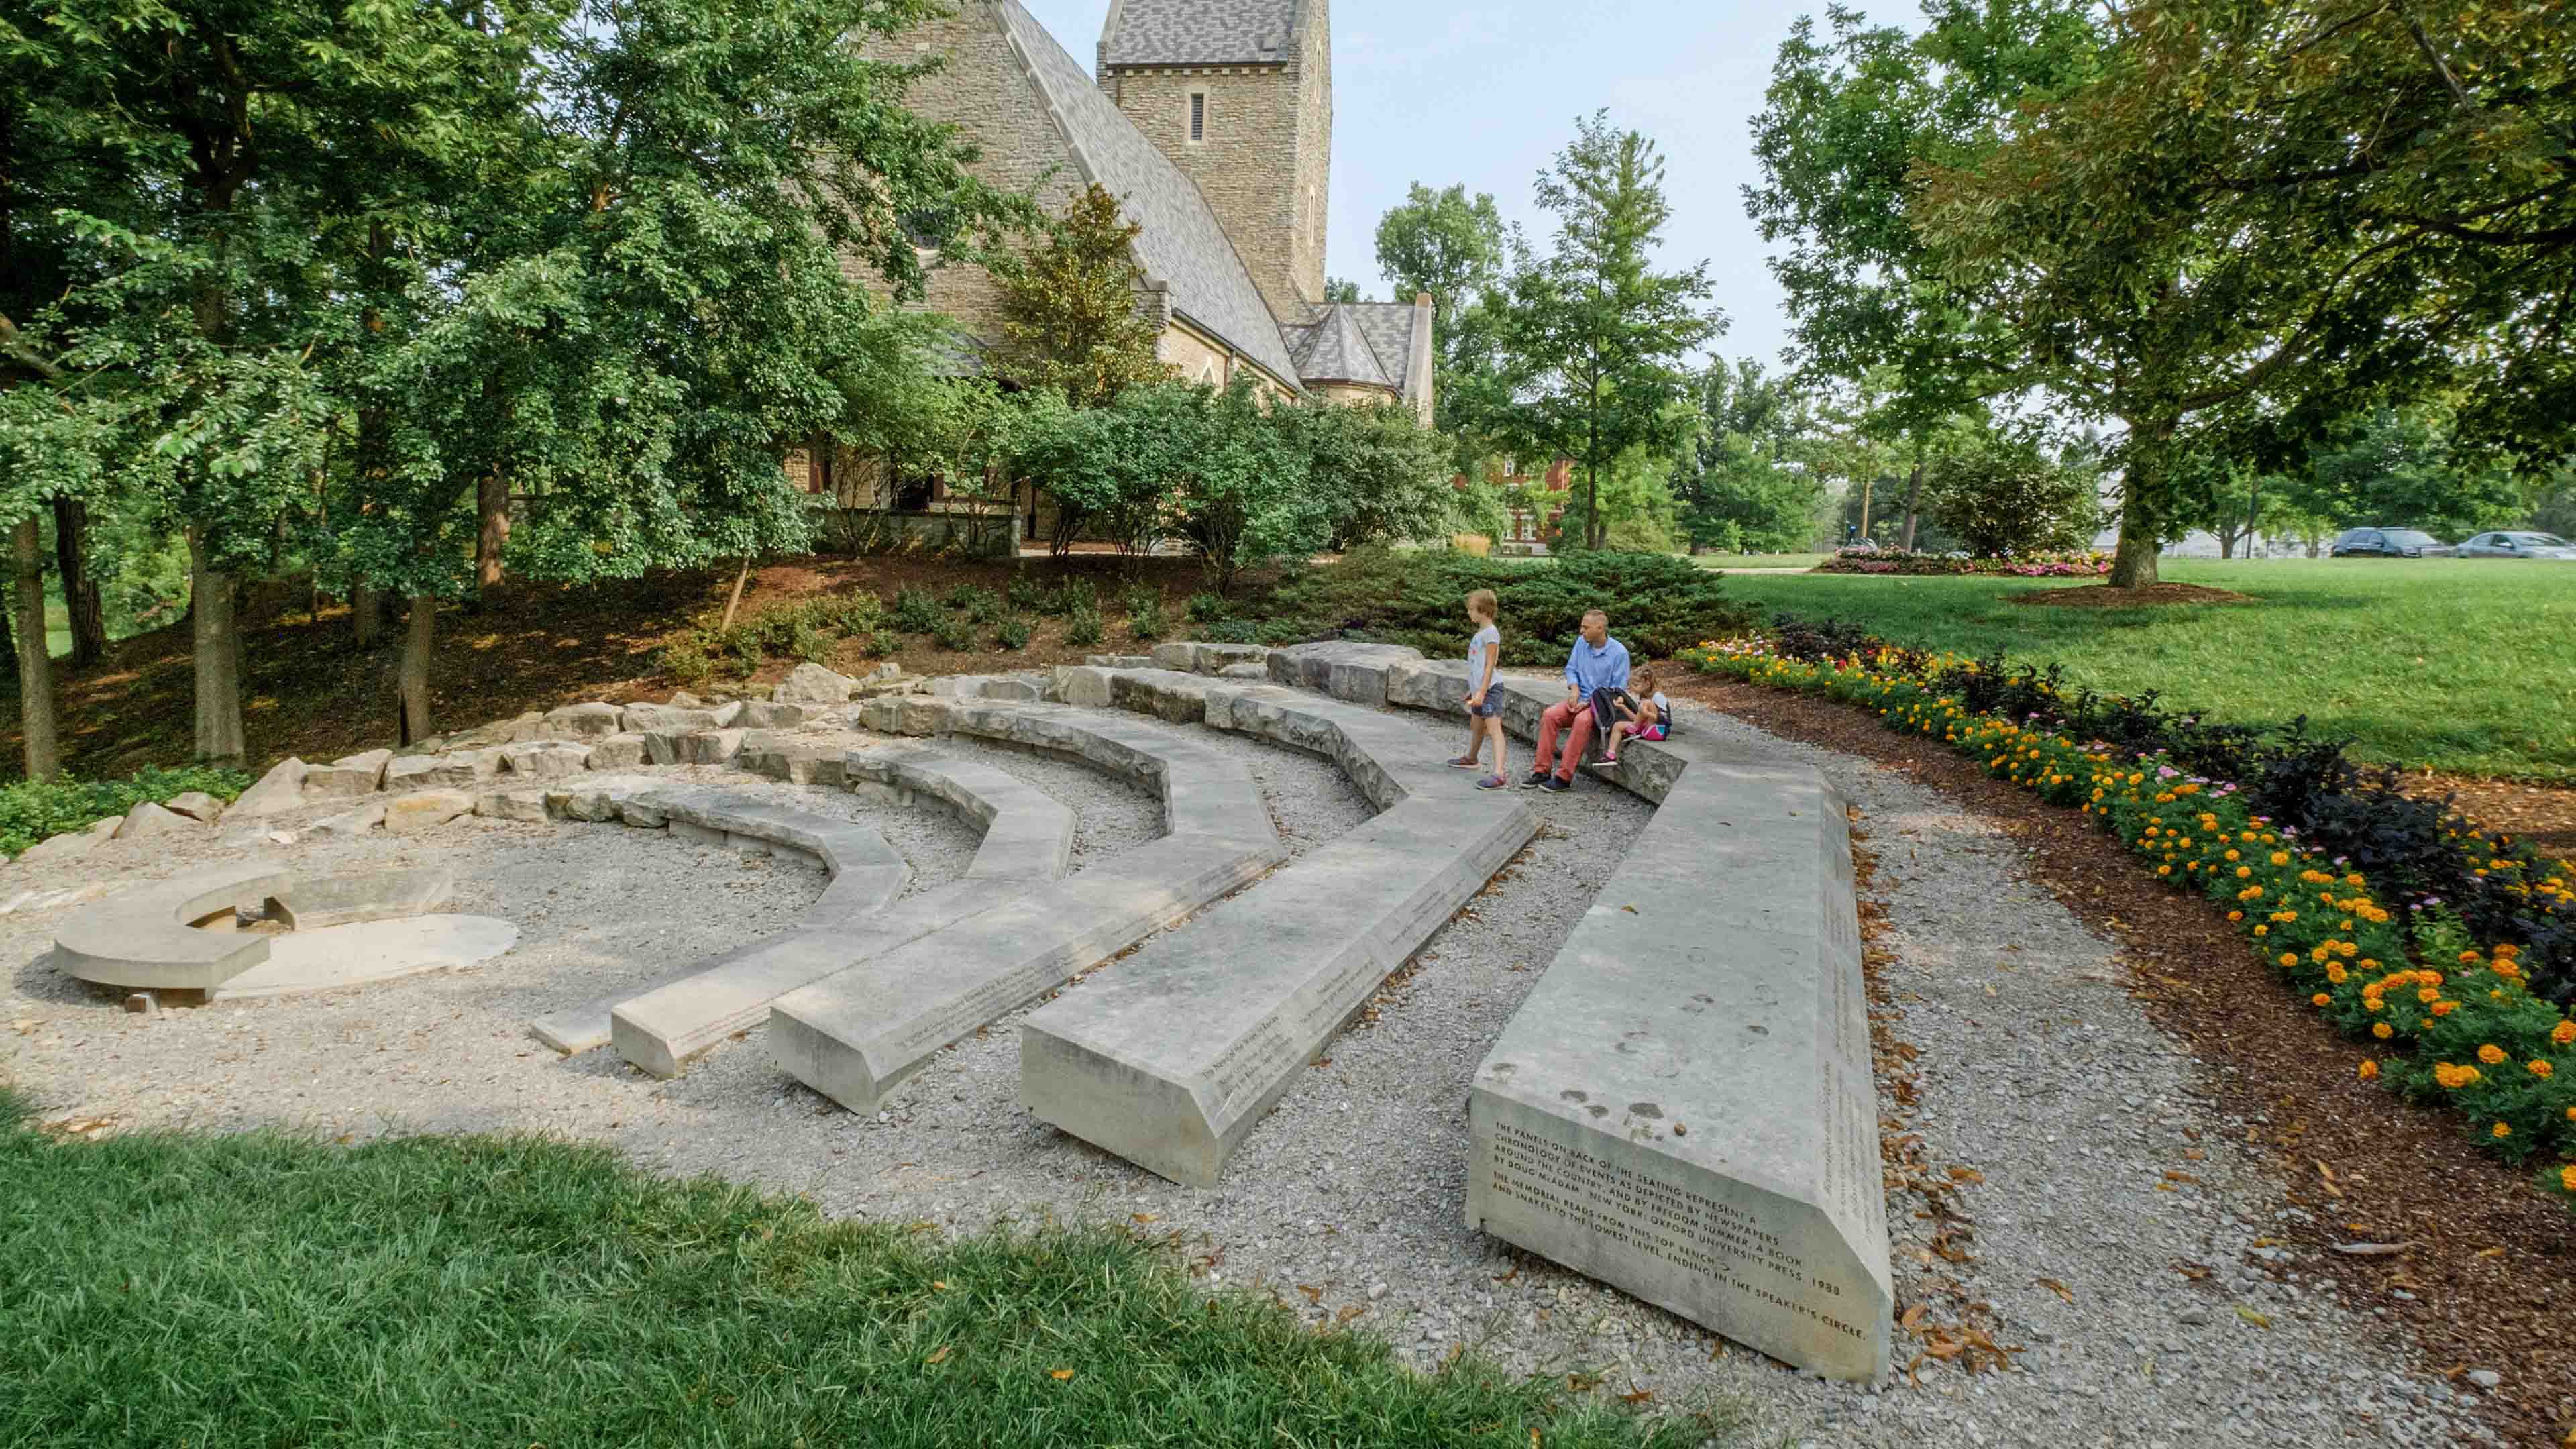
pixel 1455 247
pixel 1069 312
pixel 1341 290
pixel 1998 491
pixel 1381 476
pixel 1742 482
pixel 1598 341
pixel 2405 468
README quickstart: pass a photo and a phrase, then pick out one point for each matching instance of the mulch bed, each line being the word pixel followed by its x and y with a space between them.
pixel 2488 1259
pixel 2103 596
pixel 2544 815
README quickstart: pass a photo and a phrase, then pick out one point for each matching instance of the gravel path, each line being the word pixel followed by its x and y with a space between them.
pixel 2035 1072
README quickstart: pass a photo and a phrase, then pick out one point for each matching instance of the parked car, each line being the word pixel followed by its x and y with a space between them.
pixel 2390 543
pixel 2518 545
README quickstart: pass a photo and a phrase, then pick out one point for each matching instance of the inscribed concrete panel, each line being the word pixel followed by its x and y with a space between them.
pixel 1683 1106
pixel 1170 1057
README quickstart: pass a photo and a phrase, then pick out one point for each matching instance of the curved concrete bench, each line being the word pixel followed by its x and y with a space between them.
pixel 1028 839
pixel 177 935
pixel 1683 1106
pixel 867 875
pixel 854 1036
pixel 1172 1056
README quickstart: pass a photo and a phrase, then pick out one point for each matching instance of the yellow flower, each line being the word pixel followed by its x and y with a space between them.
pixel 2541 1068
pixel 2564 1033
pixel 2321 999
pixel 2262 930
pixel 2289 958
pixel 2491 1054
pixel 2381 1030
pixel 2501 1131
pixel 2236 915
pixel 2369 1069
pixel 2428 994
pixel 2567 1174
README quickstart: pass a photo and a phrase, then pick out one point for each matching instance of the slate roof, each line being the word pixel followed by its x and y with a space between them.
pixel 1388 326
pixel 1199 32
pixel 1333 349
pixel 1181 242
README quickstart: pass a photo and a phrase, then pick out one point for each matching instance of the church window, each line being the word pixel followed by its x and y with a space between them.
pixel 1198 116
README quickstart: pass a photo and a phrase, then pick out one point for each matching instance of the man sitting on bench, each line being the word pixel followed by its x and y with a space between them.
pixel 1597 662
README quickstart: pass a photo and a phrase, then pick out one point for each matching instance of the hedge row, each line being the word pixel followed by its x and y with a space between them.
pixel 1658 604
pixel 2472 1020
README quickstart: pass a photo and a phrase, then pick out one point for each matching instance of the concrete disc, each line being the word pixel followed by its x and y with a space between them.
pixel 369 951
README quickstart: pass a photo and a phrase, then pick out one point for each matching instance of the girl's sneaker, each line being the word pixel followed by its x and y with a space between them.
pixel 1493 782
pixel 1464 762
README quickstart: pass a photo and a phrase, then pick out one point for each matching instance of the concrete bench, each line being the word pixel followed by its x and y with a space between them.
pixel 178 934
pixel 1172 1056
pixel 1683 1107
pixel 1028 839
pixel 856 1035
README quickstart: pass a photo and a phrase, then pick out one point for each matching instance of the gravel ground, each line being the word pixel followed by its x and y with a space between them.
pixel 2035 1071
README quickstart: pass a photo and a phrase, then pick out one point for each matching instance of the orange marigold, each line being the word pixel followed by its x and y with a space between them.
pixel 2369 1069
pixel 2501 1131
pixel 2541 1068
pixel 2383 1031
pixel 2321 999
pixel 2491 1054
pixel 2564 1033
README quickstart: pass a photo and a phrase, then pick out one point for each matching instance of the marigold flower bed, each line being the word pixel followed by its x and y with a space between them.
pixel 2457 1023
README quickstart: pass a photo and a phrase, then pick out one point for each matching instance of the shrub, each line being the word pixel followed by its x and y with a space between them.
pixel 1073 596
pixel 1013 635
pixel 1082 627
pixel 1023 594
pixel 956 635
pixel 686 659
pixel 2041 564
pixel 1145 612
pixel 1231 631
pixel 915 612
pixel 31 810
pixel 1206 608
pixel 1658 604
pixel 883 643
pixel 806 630
pixel 978 604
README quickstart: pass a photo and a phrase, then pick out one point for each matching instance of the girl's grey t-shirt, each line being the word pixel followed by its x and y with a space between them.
pixel 1480 649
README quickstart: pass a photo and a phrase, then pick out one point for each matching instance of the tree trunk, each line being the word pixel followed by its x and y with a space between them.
pixel 366 614
pixel 2133 564
pixel 36 721
pixel 80 590
pixel 1913 498
pixel 420 637
pixel 492 501
pixel 1868 485
pixel 215 644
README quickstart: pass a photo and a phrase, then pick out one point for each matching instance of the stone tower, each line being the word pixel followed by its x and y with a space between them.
pixel 1239 94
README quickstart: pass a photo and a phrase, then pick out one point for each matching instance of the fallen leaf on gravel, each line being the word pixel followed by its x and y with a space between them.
pixel 2181 1177
pixel 1145 1217
pixel 2053 1286
pixel 2193 1271
pixel 1641 1396
pixel 1967 1174
pixel 2371 1250
pixel 2194 1154
pixel 1347 1314
pixel 2252 1317
pixel 1313 1293
pixel 938 1355
pixel 1631 910
pixel 1913 1316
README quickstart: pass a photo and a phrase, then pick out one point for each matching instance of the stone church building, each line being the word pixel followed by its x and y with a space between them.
pixel 1212 123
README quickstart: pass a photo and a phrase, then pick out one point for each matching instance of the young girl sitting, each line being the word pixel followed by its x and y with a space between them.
pixel 1645 722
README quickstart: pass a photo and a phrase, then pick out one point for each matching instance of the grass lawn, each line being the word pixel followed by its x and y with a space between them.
pixel 2462 666
pixel 166 1289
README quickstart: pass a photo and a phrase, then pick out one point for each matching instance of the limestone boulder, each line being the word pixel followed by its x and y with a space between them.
pixel 459 770
pixel 584 721
pixel 711 747
pixel 411 814
pixel 762 714
pixel 147 820
pixel 545 759
pixel 813 684
pixel 197 805
pixel 618 752
pixel 282 788
pixel 525 806
pixel 349 777
pixel 1080 684
pixel 664 718
pixel 352 822
pixel 70 845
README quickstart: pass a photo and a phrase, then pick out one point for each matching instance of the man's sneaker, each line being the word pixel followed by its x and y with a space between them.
pixel 1536 779
pixel 1558 783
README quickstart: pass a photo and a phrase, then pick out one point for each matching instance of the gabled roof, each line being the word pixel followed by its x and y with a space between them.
pixel 1181 243
pixel 1333 349
pixel 1388 326
pixel 1199 32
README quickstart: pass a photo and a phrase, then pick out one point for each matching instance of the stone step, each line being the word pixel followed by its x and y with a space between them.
pixel 1204 791
pixel 856 1035
pixel 1028 834
pixel 1170 1057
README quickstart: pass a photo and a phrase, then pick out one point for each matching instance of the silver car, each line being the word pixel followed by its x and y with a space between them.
pixel 2519 545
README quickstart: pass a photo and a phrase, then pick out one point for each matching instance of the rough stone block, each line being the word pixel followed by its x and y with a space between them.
pixel 908 714
pixel 545 759
pixel 1179 655
pixel 641 813
pixel 70 845
pixel 197 805
pixel 813 684
pixel 646 719
pixel 584 721
pixel 1244 671
pixel 1173 696
pixel 618 752
pixel 729 714
pixel 1311 666
pixel 525 806
pixel 1683 1105
pixel 349 778
pixel 1170 1057
pixel 711 747
pixel 461 770
pixel 353 822
pixel 411 814
pixel 1080 685
pixel 282 788
pixel 146 820
pixel 855 1035
pixel 761 714
pixel 1119 661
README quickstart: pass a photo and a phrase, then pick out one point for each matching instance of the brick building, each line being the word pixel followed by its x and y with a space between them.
pixel 1211 121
